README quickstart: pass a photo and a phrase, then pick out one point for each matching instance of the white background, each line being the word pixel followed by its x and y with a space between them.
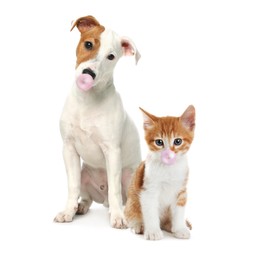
pixel 193 52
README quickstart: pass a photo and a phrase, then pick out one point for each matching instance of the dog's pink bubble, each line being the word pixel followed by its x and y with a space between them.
pixel 168 156
pixel 85 81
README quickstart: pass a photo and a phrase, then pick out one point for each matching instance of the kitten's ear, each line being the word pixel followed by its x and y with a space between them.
pixel 148 119
pixel 188 118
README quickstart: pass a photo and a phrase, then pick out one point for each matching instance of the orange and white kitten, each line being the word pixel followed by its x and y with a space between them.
pixel 157 193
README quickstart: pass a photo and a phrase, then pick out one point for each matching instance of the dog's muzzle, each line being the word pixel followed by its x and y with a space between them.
pixel 85 80
pixel 90 72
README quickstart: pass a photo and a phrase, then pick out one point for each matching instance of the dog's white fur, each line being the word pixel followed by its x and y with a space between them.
pixel 96 129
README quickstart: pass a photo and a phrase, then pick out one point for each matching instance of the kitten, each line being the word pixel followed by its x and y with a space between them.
pixel 157 193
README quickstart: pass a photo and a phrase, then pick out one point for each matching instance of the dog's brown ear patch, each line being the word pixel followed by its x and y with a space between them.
pixel 90 30
pixel 85 23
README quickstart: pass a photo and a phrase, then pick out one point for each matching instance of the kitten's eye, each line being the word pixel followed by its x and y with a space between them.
pixel 177 141
pixel 110 57
pixel 159 142
pixel 88 45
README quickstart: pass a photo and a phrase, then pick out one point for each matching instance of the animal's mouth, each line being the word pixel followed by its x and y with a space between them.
pixel 86 79
pixel 90 72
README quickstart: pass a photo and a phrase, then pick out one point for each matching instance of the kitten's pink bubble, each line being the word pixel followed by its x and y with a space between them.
pixel 84 81
pixel 168 157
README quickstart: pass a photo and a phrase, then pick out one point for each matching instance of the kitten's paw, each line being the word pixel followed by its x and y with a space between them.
pixel 118 220
pixel 138 229
pixel 182 233
pixel 153 235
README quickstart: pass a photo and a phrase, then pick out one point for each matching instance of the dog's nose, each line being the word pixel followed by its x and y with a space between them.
pixel 90 72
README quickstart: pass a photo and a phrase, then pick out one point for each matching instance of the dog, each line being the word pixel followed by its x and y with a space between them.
pixel 101 146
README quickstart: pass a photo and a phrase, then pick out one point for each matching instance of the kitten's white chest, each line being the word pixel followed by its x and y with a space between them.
pixel 164 181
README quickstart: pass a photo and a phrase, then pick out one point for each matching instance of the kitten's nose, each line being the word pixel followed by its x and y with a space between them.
pixel 168 156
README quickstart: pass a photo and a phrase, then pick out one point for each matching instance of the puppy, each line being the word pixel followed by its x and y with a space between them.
pixel 101 146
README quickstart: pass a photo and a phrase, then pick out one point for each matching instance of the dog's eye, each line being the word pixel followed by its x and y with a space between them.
pixel 110 57
pixel 88 45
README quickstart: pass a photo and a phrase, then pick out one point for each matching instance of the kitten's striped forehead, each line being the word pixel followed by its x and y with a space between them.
pixel 167 126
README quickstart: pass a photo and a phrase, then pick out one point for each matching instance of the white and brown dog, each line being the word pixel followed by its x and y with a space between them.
pixel 95 127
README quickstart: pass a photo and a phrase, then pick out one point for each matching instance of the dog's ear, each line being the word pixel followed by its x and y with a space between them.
pixel 129 48
pixel 85 23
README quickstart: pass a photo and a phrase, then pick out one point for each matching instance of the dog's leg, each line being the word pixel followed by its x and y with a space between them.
pixel 125 181
pixel 73 169
pixel 86 200
pixel 113 164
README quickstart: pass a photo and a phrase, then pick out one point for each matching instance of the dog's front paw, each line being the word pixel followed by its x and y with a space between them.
pixel 65 216
pixel 153 234
pixel 118 220
pixel 183 233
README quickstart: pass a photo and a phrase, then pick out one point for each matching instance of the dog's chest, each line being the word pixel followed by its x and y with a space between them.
pixel 88 136
pixel 93 125
pixel 90 127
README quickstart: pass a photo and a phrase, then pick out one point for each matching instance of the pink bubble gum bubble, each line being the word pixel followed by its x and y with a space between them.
pixel 84 81
pixel 168 157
